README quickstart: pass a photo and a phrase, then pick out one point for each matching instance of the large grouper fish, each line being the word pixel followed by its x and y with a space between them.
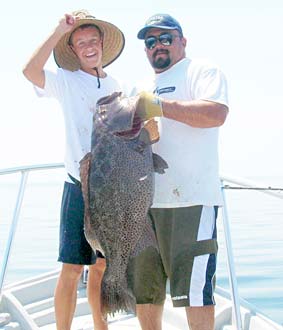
pixel 117 179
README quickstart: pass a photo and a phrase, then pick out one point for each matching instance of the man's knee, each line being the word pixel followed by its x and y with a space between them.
pixel 201 318
pixel 71 272
pixel 99 266
pixel 150 316
pixel 96 271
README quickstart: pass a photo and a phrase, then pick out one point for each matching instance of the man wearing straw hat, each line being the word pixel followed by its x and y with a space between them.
pixel 82 47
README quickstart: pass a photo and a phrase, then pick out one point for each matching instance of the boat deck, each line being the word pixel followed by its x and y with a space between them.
pixel 29 305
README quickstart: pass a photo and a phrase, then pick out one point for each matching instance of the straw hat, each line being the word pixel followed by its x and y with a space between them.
pixel 113 42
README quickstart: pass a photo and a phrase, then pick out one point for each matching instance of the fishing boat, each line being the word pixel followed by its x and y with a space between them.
pixel 29 304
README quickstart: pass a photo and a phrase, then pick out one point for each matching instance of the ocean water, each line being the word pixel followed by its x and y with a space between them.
pixel 256 223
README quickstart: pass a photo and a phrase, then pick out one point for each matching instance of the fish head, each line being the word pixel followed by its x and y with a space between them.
pixel 118 113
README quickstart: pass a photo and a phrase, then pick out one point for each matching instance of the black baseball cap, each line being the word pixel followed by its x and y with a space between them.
pixel 161 21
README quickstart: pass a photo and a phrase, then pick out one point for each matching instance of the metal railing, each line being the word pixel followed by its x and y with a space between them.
pixel 240 184
pixel 24 170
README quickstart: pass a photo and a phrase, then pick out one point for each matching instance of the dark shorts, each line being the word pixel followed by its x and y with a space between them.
pixel 187 257
pixel 73 246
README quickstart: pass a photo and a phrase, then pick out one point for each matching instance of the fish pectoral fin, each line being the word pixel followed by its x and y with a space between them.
pixel 159 164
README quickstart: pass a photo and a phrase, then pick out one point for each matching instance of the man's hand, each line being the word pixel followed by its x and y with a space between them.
pixel 148 106
pixel 66 24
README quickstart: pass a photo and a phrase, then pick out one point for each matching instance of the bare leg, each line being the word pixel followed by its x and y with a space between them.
pixel 95 275
pixel 150 316
pixel 66 295
pixel 200 318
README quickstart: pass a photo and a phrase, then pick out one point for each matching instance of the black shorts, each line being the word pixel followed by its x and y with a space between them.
pixel 187 243
pixel 73 246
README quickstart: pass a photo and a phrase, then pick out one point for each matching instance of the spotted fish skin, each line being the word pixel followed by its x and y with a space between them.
pixel 118 186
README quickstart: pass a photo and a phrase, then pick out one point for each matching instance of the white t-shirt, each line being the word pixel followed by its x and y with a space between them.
pixel 77 93
pixel 191 153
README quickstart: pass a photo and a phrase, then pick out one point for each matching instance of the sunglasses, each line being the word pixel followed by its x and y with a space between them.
pixel 165 39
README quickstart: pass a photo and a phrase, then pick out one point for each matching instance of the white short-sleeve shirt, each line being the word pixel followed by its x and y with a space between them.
pixel 191 153
pixel 77 93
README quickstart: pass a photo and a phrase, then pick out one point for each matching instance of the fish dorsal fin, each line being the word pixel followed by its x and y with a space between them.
pixel 85 165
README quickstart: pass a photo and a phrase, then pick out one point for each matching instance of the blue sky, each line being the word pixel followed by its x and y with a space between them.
pixel 242 37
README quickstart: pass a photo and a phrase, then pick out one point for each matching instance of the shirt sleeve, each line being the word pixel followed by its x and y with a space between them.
pixel 55 84
pixel 210 85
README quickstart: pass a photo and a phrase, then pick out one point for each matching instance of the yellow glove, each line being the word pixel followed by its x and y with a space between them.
pixel 149 106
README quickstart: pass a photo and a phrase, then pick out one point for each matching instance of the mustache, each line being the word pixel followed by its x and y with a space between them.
pixel 160 51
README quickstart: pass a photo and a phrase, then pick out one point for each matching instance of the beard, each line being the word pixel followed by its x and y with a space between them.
pixel 161 62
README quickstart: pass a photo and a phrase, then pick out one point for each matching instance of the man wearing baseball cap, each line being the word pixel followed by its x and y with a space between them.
pixel 82 46
pixel 191 103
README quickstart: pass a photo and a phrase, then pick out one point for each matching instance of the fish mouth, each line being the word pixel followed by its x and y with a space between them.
pixel 134 131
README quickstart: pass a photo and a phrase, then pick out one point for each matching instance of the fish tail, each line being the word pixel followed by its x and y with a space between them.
pixel 117 297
